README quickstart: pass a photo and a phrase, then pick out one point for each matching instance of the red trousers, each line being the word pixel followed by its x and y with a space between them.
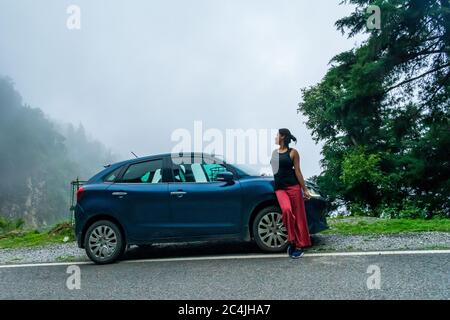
pixel 294 215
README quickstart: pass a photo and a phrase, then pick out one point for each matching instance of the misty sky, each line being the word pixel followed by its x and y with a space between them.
pixel 138 70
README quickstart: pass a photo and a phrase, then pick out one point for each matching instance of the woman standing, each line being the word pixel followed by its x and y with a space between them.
pixel 290 188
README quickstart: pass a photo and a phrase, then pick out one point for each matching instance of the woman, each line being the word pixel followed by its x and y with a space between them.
pixel 290 189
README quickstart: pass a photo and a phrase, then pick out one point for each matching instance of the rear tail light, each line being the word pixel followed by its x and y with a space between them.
pixel 79 193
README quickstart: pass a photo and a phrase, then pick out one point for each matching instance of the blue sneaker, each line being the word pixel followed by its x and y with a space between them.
pixel 290 249
pixel 298 253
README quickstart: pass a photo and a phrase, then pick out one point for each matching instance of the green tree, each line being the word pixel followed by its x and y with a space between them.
pixel 382 109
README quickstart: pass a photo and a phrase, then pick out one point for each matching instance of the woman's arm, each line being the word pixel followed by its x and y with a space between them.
pixel 298 173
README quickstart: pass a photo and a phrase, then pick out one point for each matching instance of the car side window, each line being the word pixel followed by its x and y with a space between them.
pixel 212 169
pixel 189 173
pixel 198 171
pixel 144 172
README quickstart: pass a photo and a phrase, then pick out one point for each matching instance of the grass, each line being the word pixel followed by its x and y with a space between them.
pixel 364 226
pixel 19 237
pixel 8 225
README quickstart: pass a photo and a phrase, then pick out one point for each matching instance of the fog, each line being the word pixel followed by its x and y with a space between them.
pixel 137 71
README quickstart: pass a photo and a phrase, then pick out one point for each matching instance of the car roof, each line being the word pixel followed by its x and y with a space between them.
pixel 162 155
pixel 111 167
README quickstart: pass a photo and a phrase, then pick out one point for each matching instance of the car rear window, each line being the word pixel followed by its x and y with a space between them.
pixel 111 177
pixel 144 172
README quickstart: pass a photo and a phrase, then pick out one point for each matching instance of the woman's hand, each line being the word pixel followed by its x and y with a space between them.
pixel 299 175
pixel 306 194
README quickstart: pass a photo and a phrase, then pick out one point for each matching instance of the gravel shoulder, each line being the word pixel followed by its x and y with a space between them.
pixel 68 252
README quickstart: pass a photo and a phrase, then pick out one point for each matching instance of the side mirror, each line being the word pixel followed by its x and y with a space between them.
pixel 225 176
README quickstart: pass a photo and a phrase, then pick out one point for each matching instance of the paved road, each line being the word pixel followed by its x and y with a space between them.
pixel 247 276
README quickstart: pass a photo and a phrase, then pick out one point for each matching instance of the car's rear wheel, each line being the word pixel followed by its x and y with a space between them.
pixel 269 232
pixel 104 242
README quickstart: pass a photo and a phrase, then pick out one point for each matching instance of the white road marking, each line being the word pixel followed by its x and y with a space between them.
pixel 49 264
pixel 284 256
pixel 239 257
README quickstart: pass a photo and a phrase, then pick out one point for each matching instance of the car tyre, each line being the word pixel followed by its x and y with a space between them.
pixel 264 221
pixel 104 242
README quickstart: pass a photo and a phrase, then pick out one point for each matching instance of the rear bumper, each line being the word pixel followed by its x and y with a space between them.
pixel 79 225
pixel 316 209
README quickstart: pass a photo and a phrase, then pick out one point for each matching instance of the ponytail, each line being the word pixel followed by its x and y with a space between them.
pixel 288 137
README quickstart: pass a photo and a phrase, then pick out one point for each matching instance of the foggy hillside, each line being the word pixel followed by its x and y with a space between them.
pixel 39 158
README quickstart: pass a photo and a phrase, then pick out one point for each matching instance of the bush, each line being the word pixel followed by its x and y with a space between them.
pixel 408 209
pixel 360 210
pixel 388 211
pixel 412 211
pixel 63 229
pixel 8 225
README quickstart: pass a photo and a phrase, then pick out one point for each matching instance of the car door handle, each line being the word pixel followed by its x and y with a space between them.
pixel 120 194
pixel 179 194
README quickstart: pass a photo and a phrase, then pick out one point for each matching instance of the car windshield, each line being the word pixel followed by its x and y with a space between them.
pixel 247 169
pixel 243 169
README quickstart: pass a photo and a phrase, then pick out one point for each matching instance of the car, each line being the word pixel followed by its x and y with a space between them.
pixel 182 198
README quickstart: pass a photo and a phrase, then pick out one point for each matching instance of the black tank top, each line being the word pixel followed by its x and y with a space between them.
pixel 283 170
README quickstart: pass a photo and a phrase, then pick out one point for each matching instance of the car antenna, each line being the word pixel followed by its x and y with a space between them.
pixel 134 154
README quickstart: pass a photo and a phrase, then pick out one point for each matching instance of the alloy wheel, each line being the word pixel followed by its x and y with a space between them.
pixel 103 242
pixel 272 231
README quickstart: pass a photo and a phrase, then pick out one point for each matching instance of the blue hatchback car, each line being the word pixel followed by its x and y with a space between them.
pixel 181 198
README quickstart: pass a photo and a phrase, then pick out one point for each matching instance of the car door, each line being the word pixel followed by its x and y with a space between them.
pixel 200 205
pixel 142 197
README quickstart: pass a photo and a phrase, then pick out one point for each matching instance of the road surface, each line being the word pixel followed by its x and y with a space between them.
pixel 392 275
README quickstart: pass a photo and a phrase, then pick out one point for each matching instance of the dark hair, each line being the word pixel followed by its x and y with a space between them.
pixel 288 137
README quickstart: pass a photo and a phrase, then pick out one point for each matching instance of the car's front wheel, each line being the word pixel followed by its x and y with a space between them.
pixel 104 242
pixel 269 232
